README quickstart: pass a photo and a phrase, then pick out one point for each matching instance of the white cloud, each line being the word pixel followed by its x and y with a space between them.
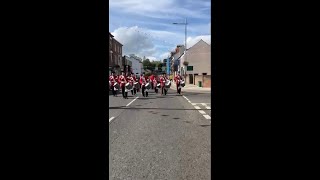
pixel 164 55
pixel 199 28
pixel 151 58
pixel 193 40
pixel 168 9
pixel 134 42
pixel 138 41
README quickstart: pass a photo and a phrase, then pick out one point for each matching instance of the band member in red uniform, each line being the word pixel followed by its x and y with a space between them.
pixel 151 80
pixel 155 82
pixel 137 80
pixel 123 81
pixel 131 80
pixel 177 79
pixel 165 80
pixel 113 80
pixel 162 84
pixel 143 83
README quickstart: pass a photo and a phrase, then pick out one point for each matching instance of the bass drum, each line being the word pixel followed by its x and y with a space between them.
pixel 158 85
pixel 168 84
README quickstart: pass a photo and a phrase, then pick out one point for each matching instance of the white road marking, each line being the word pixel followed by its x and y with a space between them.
pixel 197 107
pixel 202 112
pixel 111 119
pixel 132 101
pixel 186 98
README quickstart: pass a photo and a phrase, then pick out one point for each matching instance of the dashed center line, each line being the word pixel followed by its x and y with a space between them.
pixel 132 101
pixel 126 106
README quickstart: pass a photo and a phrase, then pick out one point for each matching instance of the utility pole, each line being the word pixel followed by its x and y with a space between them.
pixel 185 39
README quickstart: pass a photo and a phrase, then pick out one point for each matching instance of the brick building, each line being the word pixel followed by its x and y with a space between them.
pixel 115 54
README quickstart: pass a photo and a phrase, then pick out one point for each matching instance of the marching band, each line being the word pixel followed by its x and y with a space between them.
pixel 129 82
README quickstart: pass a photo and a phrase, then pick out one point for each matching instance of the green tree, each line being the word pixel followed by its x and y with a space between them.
pixel 146 64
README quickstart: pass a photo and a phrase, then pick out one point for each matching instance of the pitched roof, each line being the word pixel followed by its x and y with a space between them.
pixel 117 41
pixel 200 41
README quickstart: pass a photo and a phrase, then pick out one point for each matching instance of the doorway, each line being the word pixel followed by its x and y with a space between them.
pixel 190 78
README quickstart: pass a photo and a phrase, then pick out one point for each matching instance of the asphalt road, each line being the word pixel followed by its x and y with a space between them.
pixel 159 137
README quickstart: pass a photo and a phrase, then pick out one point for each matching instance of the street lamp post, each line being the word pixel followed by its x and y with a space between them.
pixel 185 38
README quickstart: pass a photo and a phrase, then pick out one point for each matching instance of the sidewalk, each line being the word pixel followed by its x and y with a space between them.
pixel 190 87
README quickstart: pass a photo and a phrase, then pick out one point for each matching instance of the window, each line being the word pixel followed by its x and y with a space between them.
pixel 204 73
pixel 189 68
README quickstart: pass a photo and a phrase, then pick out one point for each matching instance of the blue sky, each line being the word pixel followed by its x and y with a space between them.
pixel 145 28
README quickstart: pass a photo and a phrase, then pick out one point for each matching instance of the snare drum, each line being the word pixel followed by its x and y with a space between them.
pixel 148 86
pixel 182 84
pixel 136 85
pixel 168 84
pixel 116 86
pixel 128 86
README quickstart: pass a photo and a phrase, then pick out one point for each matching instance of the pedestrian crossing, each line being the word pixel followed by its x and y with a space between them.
pixel 202 108
pixel 205 106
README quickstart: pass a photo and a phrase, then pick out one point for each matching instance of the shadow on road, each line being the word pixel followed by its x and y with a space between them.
pixel 205 125
pixel 131 108
pixel 195 93
pixel 146 98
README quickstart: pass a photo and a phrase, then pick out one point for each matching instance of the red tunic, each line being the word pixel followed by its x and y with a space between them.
pixel 177 79
pixel 142 81
pixel 112 80
pixel 162 81
pixel 155 82
pixel 122 81
pixel 152 77
pixel 116 79
pixel 130 80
